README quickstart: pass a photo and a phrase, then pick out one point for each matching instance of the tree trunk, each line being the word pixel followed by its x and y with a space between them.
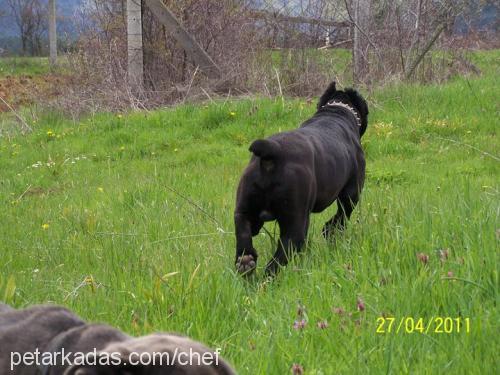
pixel 24 44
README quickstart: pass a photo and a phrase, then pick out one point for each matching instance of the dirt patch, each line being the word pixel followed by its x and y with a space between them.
pixel 37 190
pixel 26 89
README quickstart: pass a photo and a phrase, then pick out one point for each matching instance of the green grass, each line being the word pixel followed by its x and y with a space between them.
pixel 94 201
pixel 15 66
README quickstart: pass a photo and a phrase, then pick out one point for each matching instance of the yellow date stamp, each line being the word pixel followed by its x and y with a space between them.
pixel 433 325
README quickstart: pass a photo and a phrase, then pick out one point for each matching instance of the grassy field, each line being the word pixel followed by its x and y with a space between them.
pixel 127 219
pixel 12 66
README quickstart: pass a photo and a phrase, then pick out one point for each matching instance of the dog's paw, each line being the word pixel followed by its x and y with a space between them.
pixel 246 264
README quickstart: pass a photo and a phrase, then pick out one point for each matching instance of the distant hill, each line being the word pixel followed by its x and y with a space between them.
pixel 484 19
pixel 65 9
pixel 9 34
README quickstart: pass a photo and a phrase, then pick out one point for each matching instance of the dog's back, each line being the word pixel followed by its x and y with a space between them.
pixel 325 149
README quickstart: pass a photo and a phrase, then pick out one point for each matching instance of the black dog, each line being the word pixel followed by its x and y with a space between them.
pixel 54 329
pixel 294 173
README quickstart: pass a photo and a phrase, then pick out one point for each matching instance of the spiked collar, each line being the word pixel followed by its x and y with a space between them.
pixel 334 103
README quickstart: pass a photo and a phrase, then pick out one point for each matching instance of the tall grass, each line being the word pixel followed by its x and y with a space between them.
pixel 127 219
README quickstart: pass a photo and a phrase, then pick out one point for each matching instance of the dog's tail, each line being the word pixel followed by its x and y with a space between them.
pixel 266 149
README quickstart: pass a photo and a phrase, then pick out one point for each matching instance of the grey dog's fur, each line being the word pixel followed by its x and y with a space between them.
pixel 51 328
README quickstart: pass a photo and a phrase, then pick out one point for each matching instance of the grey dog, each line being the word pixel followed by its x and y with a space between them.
pixel 54 329
pixel 292 174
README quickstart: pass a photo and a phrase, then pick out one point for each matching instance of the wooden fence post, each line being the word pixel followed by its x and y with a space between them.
pixel 134 43
pixel 52 33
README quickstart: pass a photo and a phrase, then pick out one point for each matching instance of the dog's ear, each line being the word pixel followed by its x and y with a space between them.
pixel 327 95
pixel 360 105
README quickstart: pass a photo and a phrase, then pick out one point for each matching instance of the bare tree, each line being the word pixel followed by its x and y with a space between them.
pixel 29 16
pixel 394 38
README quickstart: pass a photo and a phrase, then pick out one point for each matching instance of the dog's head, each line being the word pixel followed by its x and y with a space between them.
pixel 156 354
pixel 348 96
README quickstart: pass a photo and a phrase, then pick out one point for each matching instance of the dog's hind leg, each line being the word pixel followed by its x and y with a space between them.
pixel 347 200
pixel 293 232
